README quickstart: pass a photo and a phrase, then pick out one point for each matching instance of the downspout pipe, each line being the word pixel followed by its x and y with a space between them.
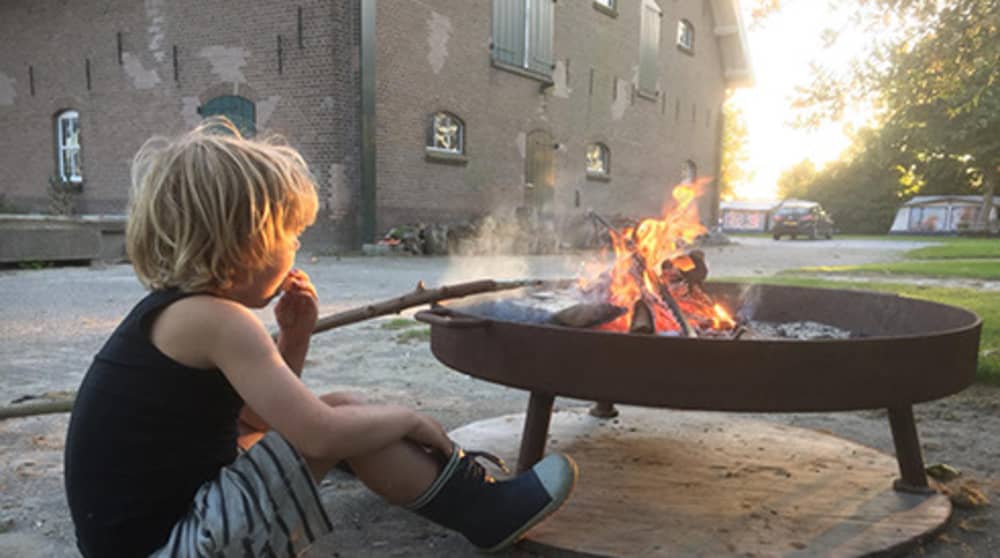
pixel 720 132
pixel 368 182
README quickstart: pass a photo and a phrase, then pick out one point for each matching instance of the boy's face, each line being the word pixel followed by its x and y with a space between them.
pixel 263 285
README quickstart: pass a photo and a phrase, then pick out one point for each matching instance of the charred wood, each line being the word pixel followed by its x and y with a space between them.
pixel 642 319
pixel 587 314
pixel 675 311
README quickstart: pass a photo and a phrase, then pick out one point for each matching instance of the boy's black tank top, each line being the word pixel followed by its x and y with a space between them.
pixel 144 434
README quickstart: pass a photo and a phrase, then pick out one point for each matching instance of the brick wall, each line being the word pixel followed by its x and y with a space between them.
pixel 222 48
pixel 434 55
pixel 431 55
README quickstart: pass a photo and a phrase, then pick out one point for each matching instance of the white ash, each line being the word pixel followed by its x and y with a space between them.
pixel 536 307
pixel 803 331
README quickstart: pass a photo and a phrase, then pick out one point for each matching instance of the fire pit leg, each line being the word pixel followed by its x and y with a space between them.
pixel 911 461
pixel 603 409
pixel 536 429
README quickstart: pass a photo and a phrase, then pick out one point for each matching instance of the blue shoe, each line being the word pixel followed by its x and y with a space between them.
pixel 495 514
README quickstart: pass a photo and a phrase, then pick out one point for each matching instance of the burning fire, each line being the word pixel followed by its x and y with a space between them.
pixel 655 266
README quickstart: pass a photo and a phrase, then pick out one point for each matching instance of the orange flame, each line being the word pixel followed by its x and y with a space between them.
pixel 638 271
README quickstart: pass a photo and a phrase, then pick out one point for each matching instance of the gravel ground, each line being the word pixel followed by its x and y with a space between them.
pixel 54 320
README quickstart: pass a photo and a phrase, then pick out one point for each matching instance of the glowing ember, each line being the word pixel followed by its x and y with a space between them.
pixel 652 262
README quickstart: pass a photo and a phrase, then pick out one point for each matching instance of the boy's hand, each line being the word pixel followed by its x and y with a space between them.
pixel 430 434
pixel 298 308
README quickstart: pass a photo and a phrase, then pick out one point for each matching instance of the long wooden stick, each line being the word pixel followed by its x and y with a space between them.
pixel 422 295
pixel 62 405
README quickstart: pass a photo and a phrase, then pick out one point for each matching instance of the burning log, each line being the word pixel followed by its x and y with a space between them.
pixel 675 311
pixel 690 267
pixel 642 273
pixel 738 332
pixel 587 314
pixel 642 319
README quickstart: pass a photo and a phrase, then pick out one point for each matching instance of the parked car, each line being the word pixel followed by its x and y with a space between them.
pixel 797 217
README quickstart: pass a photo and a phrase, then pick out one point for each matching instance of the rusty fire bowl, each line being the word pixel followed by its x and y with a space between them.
pixel 904 351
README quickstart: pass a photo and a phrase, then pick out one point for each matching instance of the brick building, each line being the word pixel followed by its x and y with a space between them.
pixel 407 111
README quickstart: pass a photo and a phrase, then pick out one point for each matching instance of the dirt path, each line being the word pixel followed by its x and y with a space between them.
pixel 54 320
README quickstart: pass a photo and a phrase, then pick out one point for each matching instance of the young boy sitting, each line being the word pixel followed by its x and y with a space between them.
pixel 152 465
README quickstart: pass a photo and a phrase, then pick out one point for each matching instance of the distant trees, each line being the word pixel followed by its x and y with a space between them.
pixel 933 75
pixel 735 156
pixel 860 191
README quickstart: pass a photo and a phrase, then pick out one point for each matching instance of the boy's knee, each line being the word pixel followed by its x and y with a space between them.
pixel 337 398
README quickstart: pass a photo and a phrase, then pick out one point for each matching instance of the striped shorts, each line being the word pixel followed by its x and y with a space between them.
pixel 263 504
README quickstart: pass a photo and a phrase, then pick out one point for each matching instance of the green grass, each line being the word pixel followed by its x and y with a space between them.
pixel 971 258
pixel 958 248
pixel 943 247
pixel 398 324
pixel 422 334
pixel 984 303
pixel 984 269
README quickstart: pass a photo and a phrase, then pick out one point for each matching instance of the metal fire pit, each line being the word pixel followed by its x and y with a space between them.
pixel 904 351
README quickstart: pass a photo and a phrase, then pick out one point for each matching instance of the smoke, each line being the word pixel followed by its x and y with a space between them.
pixel 748 301
pixel 500 267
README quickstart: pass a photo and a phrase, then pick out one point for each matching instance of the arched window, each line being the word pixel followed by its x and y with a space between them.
pixel 685 35
pixel 68 146
pixel 446 133
pixel 598 160
pixel 689 171
pixel 239 110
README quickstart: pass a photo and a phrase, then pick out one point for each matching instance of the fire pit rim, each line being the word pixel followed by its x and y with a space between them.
pixel 455 308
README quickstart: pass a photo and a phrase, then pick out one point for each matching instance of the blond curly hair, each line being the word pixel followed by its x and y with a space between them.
pixel 207 208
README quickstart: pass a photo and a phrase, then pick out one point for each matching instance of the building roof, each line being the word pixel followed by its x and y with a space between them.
pixel 925 200
pixel 732 37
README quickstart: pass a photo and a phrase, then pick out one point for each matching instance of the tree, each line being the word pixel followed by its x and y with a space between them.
pixel 933 73
pixel 760 10
pixel 860 190
pixel 735 156
pixel 797 182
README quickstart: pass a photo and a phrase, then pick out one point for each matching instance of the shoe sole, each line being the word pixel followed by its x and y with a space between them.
pixel 544 513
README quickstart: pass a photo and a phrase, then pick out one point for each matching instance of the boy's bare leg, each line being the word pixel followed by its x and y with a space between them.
pixel 399 472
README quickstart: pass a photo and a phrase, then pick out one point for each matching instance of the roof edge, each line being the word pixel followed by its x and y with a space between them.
pixel 730 32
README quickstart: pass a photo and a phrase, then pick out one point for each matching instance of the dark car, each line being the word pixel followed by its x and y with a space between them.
pixel 794 218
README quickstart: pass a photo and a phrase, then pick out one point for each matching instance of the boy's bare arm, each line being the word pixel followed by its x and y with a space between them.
pixel 242 349
pixel 296 313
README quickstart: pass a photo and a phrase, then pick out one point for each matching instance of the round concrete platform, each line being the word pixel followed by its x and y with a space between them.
pixel 658 482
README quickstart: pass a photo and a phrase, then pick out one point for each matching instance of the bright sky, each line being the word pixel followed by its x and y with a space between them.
pixel 780 52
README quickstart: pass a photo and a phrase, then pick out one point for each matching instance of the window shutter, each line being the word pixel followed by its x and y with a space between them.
pixel 649 47
pixel 540 39
pixel 508 31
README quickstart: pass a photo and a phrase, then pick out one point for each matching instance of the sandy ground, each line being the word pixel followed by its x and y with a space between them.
pixel 53 320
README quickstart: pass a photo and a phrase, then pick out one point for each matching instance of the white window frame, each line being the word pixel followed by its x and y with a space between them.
pixel 604 156
pixel 609 4
pixel 685 35
pixel 432 136
pixel 66 146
